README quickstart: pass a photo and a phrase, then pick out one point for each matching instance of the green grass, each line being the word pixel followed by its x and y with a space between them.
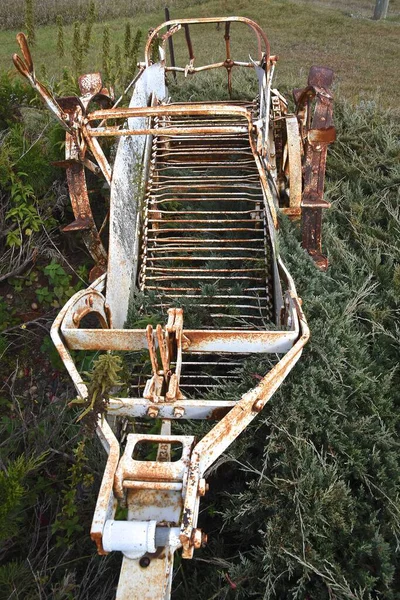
pixel 306 503
pixel 364 54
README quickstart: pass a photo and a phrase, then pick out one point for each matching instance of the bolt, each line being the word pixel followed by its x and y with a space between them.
pixel 75 318
pixel 257 406
pixel 144 562
pixel 179 412
pixel 203 487
pixel 204 539
pixel 197 538
pixel 90 300
pixel 152 412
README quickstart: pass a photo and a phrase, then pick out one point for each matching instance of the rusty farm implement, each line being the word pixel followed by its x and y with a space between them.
pixel 195 192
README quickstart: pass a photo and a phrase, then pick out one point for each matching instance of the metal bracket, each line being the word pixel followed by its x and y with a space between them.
pixel 164 384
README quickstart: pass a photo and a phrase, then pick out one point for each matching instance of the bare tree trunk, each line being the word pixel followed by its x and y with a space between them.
pixel 381 9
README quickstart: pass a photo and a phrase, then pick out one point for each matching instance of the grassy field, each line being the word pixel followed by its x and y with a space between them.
pixel 12 12
pixel 364 54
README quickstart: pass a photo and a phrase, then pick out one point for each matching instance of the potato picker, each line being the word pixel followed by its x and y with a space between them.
pixel 195 193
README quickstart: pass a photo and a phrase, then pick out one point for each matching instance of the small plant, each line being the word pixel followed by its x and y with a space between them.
pixel 91 16
pixel 103 377
pixel 24 217
pixel 60 37
pixel 43 71
pixel 7 315
pixel 155 57
pixel 14 492
pixel 60 287
pixel 44 295
pixel 106 53
pixel 133 56
pixel 127 41
pixel 77 48
pixel 67 523
pixel 30 21
pixel 118 63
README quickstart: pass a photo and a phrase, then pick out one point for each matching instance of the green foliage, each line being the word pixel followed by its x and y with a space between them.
pixel 60 37
pixel 13 492
pixel 77 49
pixel 11 576
pixel 23 216
pixel 13 93
pixel 90 19
pixel 132 56
pixel 314 509
pixel 68 85
pixel 103 377
pixel 117 62
pixel 43 72
pixel 49 350
pixel 127 41
pixel 155 56
pixel 30 21
pixel 60 287
pixel 7 316
pixel 106 54
pixel 67 524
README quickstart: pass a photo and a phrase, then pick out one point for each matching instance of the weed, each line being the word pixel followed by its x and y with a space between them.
pixel 91 17
pixel 30 21
pixel 13 492
pixel 67 523
pixel 106 54
pixel 77 49
pixel 127 41
pixel 102 379
pixel 60 37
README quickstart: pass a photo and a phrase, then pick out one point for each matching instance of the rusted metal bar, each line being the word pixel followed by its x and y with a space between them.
pixel 199 340
pixel 317 131
pixel 188 42
pixel 25 68
pixel 83 214
pixel 228 62
pixel 105 132
pixel 263 43
pixel 170 42
pixel 191 70
pixel 167 110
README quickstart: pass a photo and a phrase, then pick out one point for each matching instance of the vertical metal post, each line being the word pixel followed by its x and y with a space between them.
pixel 188 41
pixel 170 43
pixel 381 9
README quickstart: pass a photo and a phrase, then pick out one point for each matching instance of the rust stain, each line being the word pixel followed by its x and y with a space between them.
pixel 218 414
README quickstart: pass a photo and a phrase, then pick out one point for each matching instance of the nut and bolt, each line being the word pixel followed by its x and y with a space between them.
pixel 203 487
pixel 152 412
pixel 198 538
pixel 257 406
pixel 179 412
pixel 144 562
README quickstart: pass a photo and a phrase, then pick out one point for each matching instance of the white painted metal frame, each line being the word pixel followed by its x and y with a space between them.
pixel 163 496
